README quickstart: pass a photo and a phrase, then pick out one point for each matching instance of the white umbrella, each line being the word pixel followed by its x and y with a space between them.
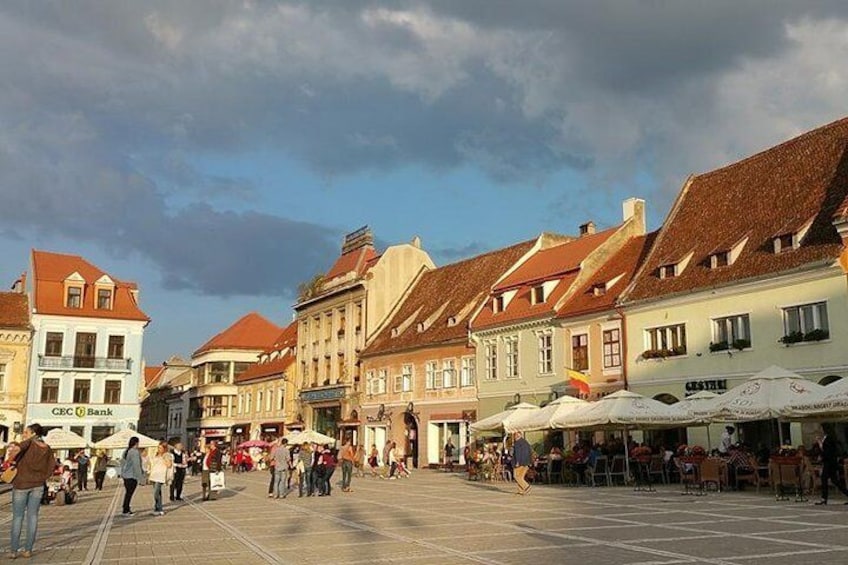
pixel 697 402
pixel 121 440
pixel 623 409
pixel 830 403
pixel 501 421
pixel 310 436
pixel 57 438
pixel 532 420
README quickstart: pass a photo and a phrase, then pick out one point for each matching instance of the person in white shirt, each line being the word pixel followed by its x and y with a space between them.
pixel 726 440
pixel 160 473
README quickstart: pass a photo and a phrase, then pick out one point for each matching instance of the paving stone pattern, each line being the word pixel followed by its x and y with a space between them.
pixel 441 518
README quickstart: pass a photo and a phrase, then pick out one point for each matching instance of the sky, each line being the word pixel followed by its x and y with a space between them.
pixel 217 152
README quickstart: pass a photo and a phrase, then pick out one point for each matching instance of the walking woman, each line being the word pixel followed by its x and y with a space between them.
pixel 100 469
pixel 132 473
pixel 34 462
pixel 160 474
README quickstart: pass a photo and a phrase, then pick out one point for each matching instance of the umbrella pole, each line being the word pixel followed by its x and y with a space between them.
pixel 780 433
pixel 709 440
pixel 626 456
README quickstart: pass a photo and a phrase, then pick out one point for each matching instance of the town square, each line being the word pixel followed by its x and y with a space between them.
pixel 471 281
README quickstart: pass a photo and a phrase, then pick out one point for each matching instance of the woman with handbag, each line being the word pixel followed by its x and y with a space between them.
pixel 160 474
pixel 33 465
pixel 132 473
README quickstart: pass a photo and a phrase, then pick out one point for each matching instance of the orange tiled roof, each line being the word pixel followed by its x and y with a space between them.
pixel 288 338
pixel 252 331
pixel 623 264
pixel 49 273
pixel 151 375
pixel 771 193
pixel 277 366
pixel 14 310
pixel 559 262
pixel 357 260
pixel 450 291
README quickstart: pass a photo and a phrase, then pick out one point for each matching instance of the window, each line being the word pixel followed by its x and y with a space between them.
pixel 668 271
pixel 580 352
pixel 784 242
pixel 53 347
pixel 2 377
pixel 382 376
pixel 599 289
pixel 448 373
pixel 666 341
pixel 259 401
pixel 79 430
pixel 430 370
pixel 82 391
pixel 498 304
pixel 239 368
pixel 74 297
pixel 85 350
pixel 269 400
pixel 612 348
pixel 247 402
pixel 546 354
pixel 721 259
pixel 538 294
pixel 219 372
pixel 406 378
pixel 216 406
pixel 101 432
pixel 281 399
pixel 104 299
pixel 731 331
pixel 511 357
pixel 491 361
pixel 808 322
pixel 467 371
pixel 49 391
pixel 241 404
pixel 112 392
pixel 116 347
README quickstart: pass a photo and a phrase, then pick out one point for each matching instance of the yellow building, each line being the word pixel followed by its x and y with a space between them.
pixel 745 273
pixel 15 342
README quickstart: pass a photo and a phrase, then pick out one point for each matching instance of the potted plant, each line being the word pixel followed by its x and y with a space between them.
pixel 741 344
pixel 719 346
pixel 816 335
pixel 792 337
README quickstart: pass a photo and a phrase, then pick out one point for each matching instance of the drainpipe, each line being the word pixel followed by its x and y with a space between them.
pixel 624 360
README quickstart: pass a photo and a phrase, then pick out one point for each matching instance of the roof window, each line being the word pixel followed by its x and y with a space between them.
pixel 599 289
pixel 668 271
pixel 498 304
pixel 720 259
pixel 537 294
pixel 785 242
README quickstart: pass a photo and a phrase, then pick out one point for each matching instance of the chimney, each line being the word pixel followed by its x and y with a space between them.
pixel 634 208
pixel 416 242
pixel 587 229
pixel 19 285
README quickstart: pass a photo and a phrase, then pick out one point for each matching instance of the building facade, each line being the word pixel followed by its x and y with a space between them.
pixel 86 359
pixel 215 367
pixel 15 342
pixel 730 289
pixel 420 367
pixel 154 420
pixel 334 322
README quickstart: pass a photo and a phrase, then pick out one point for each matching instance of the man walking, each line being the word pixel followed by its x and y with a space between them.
pixel 282 467
pixel 830 467
pixel 522 456
pixel 180 466
pixel 83 462
pixel 348 457
pixel 449 456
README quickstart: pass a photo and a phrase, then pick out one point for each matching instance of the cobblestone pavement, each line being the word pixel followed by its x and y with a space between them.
pixel 439 518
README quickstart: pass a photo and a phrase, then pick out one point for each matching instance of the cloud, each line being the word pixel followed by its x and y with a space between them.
pixel 452 254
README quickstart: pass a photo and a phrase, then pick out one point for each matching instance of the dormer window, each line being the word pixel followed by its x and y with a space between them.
pixel 599 289
pixel 421 327
pixel 538 294
pixel 498 304
pixel 104 298
pixel 451 321
pixel 74 298
pixel 668 271
pixel 720 259
pixel 395 332
pixel 785 242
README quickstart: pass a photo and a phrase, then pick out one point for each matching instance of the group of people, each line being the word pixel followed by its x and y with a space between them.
pixel 309 466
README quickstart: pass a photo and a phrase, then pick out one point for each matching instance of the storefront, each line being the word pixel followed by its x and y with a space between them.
pixel 92 421
pixel 272 430
pixel 240 433
pixel 327 409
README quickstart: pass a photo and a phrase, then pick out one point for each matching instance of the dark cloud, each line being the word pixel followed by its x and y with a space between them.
pixel 452 254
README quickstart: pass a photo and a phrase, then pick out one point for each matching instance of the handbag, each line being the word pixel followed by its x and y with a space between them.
pixel 9 474
pixel 216 481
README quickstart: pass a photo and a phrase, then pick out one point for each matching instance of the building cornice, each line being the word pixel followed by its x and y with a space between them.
pixel 547 321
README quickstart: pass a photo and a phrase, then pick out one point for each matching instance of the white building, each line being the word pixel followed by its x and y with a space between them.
pixel 86 362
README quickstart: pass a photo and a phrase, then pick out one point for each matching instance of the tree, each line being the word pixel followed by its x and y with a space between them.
pixel 310 289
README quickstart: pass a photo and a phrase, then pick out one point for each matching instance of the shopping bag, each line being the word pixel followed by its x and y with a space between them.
pixel 216 481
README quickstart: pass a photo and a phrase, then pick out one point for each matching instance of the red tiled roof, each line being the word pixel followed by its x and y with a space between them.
pixel 252 331
pixel 14 310
pixel 288 338
pixel 771 193
pixel 559 262
pixel 357 260
pixel 625 263
pixel 449 291
pixel 49 273
pixel 151 374
pixel 267 369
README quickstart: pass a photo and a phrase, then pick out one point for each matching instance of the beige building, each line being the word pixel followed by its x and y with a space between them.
pixel 216 365
pixel 747 271
pixel 160 381
pixel 15 343
pixel 266 390
pixel 334 322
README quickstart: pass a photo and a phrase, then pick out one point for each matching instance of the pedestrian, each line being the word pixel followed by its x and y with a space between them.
pixel 374 461
pixel 522 458
pixel 392 460
pixel 212 463
pixel 305 468
pixel 271 467
pixel 100 469
pixel 448 462
pixel 830 466
pixel 34 462
pixel 83 462
pixel 160 474
pixel 282 467
pixel 180 465
pixel 328 466
pixel 726 440
pixel 132 474
pixel 348 457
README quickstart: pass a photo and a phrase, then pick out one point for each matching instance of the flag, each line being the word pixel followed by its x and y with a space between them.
pixel 579 381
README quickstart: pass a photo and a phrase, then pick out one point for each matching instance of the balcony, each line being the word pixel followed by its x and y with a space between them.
pixel 77 362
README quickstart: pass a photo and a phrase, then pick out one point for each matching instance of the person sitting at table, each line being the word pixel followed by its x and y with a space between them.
pixel 507 466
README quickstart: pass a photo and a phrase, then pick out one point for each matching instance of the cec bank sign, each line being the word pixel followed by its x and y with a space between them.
pixel 67 412
pixel 81 411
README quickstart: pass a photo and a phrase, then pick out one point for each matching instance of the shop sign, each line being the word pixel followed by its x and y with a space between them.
pixel 80 411
pixel 213 432
pixel 712 385
pixel 322 395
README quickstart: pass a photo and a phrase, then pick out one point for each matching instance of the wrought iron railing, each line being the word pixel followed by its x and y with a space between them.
pixel 83 362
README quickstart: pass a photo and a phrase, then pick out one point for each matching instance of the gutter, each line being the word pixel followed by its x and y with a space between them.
pixel 624 362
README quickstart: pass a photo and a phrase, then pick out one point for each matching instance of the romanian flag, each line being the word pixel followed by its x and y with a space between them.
pixel 579 381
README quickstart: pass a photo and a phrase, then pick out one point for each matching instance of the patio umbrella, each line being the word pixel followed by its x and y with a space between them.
pixel 697 401
pixel 532 420
pixel 121 439
pixel 828 404
pixel 500 422
pixel 310 436
pixel 58 438
pixel 769 394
